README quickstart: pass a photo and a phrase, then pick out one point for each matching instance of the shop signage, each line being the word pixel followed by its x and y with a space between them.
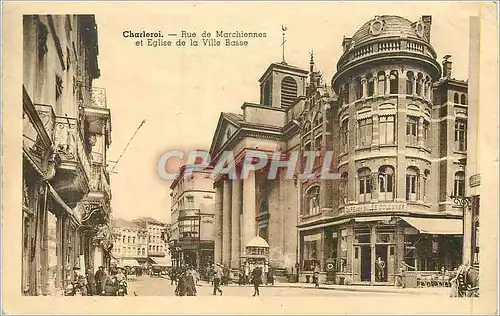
pixel 379 207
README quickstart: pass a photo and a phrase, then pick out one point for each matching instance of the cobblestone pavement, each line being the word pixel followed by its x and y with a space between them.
pixel 155 286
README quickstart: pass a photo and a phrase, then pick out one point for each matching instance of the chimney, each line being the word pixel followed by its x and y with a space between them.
pixel 427 20
pixel 346 43
pixel 447 66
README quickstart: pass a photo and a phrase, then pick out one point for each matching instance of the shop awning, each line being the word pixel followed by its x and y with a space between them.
pixel 129 263
pixel 164 262
pixel 373 219
pixel 342 221
pixel 436 226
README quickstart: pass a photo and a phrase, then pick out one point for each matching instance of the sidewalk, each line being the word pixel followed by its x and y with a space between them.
pixel 441 291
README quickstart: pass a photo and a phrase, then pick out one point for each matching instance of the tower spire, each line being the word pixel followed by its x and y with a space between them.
pixel 283 28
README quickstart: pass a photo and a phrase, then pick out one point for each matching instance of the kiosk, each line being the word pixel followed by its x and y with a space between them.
pixel 256 255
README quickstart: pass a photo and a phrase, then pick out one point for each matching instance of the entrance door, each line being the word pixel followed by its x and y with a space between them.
pixel 381 269
pixel 366 259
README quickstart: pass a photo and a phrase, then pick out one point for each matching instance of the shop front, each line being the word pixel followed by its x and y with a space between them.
pixel 371 250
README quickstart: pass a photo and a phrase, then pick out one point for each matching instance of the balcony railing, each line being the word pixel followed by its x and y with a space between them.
pixel 390 45
pixel 99 180
pixel 69 142
pixel 91 96
pixel 188 212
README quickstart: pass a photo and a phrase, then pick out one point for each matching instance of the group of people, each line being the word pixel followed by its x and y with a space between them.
pixel 102 283
pixel 186 279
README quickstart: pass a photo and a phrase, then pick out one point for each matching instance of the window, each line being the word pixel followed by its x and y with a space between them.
pixel 189 228
pixel 381 83
pixel 318 142
pixel 267 93
pixel 455 98
pixel 288 91
pixel 386 130
pixel 343 188
pixel 124 239
pixel 365 132
pixel 411 184
pixel 365 185
pixel 128 240
pixel 358 86
pixel 459 185
pixel 427 137
pixel 393 87
pixel 133 240
pixel 411 130
pixel 409 82
pixel 427 174
pixel 312 200
pixel 461 135
pixel 344 135
pixel 263 233
pixel 462 99
pixel 311 255
pixel 370 84
pixel 386 183
pixel 307 127
pixel 318 121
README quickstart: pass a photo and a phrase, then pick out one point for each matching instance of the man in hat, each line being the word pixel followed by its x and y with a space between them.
pixel 217 278
pixel 99 277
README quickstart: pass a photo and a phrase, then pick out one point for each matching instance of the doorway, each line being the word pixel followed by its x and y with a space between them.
pixel 366 259
pixel 381 268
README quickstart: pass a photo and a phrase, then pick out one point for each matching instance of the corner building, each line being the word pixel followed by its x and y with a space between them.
pixel 393 152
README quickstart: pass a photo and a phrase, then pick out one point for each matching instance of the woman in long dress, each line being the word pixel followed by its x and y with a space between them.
pixel 190 283
pixel 180 289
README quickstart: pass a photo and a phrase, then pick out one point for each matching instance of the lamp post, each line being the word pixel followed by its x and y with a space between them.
pixel 465 203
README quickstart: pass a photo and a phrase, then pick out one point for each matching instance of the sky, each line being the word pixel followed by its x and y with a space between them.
pixel 180 91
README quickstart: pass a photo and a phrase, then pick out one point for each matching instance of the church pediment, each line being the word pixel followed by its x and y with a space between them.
pixel 229 124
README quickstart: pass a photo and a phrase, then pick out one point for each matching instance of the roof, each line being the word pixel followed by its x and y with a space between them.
pixel 258 242
pixel 148 220
pixel 283 65
pixel 393 26
pixel 123 223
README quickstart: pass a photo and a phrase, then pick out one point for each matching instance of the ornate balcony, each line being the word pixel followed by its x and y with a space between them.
pixel 92 101
pixel 73 172
pixel 96 203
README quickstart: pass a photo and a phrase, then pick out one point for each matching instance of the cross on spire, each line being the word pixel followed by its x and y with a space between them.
pixel 283 28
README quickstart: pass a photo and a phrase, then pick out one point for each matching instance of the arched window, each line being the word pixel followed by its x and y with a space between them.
pixel 343 188
pixel 267 93
pixel 410 77
pixel 312 200
pixel 393 88
pixel 307 127
pixel 358 88
pixel 462 99
pixel 420 77
pixel 381 83
pixel 365 185
pixel 426 180
pixel 459 184
pixel 318 120
pixel 455 98
pixel 412 180
pixel 370 84
pixel 386 183
pixel 288 91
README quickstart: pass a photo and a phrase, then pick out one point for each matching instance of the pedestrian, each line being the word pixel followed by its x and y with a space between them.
pixel 247 274
pixel 99 277
pixel 316 276
pixel 256 280
pixel 270 275
pixel 180 289
pixel 217 279
pixel 190 282
pixel 91 286
pixel 379 269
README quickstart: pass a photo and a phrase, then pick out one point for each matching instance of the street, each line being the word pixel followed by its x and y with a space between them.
pixel 155 286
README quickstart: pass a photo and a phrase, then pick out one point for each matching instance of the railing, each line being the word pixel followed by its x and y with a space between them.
pixel 98 181
pixel 69 142
pixel 392 45
pixel 91 96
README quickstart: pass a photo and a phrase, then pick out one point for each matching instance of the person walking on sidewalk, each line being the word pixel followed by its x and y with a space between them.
pixel 256 280
pixel 217 279
pixel 316 276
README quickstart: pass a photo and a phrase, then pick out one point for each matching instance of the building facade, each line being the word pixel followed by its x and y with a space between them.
pixel 157 253
pixel 66 133
pixel 192 216
pixel 399 154
pixel 130 246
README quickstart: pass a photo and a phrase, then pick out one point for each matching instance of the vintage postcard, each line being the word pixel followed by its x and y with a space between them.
pixel 249 157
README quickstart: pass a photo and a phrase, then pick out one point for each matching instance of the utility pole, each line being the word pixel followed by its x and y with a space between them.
pixel 126 146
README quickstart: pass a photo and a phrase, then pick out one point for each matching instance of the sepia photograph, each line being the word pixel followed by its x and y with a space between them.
pixel 252 152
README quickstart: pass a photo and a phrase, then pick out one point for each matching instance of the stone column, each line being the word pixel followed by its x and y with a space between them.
pixel 429 90
pixel 375 85
pixel 373 238
pixel 248 224
pixel 414 86
pixel 387 82
pixel 218 223
pixel 375 130
pixel 420 192
pixel 375 186
pixel 236 208
pixel 226 223
pixel 420 132
pixel 365 87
